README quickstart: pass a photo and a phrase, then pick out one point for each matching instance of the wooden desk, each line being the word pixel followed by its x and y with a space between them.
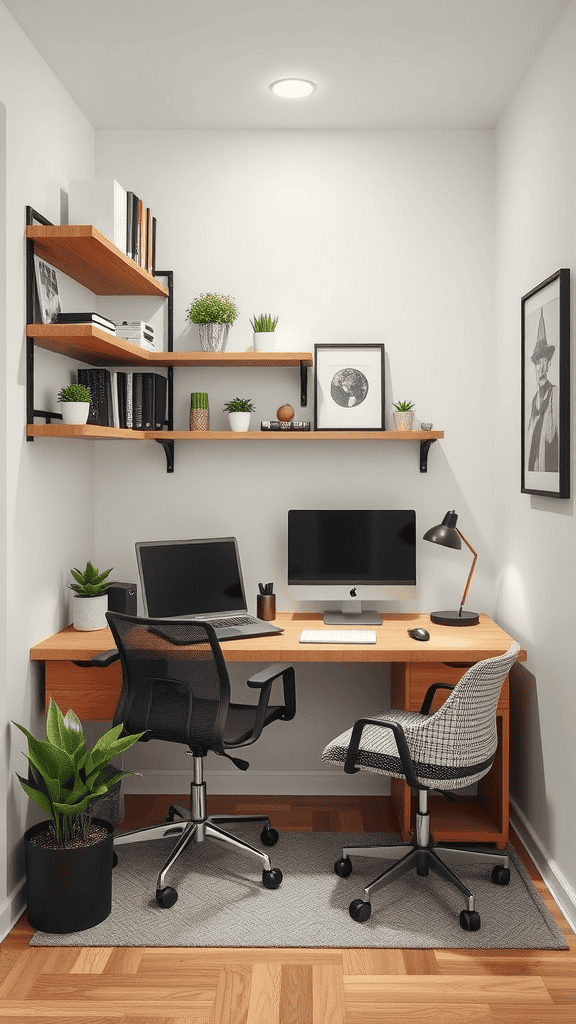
pixel 93 694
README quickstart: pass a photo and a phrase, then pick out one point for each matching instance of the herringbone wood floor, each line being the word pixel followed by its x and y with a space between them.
pixel 287 986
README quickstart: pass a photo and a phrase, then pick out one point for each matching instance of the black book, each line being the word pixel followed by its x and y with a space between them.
pixel 121 385
pixel 88 379
pixel 137 401
pixel 135 229
pixel 130 224
pixel 85 318
pixel 109 405
pixel 159 401
pixel 153 267
pixel 148 401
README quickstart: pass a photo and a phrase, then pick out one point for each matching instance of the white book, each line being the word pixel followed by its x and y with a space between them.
pixel 115 406
pixel 129 420
pixel 102 203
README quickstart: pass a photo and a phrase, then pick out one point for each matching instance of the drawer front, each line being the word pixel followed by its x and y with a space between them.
pixel 423 674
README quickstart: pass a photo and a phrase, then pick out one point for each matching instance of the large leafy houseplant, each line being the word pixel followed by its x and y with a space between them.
pixel 66 779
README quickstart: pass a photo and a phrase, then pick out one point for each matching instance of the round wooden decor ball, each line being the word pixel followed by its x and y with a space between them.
pixel 285 413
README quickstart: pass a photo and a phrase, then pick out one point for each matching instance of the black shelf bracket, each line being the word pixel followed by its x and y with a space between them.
pixel 303 383
pixel 32 312
pixel 424 449
pixel 168 447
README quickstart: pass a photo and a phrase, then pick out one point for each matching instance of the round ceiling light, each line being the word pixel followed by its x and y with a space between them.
pixel 292 88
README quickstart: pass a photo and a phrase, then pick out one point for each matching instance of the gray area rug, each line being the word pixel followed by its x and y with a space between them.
pixel 222 902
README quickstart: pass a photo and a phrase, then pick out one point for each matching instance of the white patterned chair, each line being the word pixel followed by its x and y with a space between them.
pixel 449 749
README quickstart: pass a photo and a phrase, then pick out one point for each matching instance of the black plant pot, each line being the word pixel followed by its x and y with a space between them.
pixel 68 890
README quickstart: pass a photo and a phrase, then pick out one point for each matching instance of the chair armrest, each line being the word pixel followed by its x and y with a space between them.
pixel 401 743
pixel 268 675
pixel 429 695
pixel 105 659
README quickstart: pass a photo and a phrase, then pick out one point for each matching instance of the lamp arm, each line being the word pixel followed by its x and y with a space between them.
pixel 472 568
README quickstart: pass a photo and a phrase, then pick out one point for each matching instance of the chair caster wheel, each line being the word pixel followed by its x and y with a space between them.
pixel 500 875
pixel 272 879
pixel 114 859
pixel 470 920
pixel 422 870
pixel 166 897
pixel 343 867
pixel 269 836
pixel 359 910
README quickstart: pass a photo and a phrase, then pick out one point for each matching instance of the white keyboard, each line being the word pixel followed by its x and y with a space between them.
pixel 337 636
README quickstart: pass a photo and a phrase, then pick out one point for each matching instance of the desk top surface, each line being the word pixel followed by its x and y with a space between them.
pixel 447 643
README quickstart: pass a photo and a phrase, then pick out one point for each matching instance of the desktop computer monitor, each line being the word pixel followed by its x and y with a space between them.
pixel 350 555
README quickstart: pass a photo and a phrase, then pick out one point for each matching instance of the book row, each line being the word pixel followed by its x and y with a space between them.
pixel 134 401
pixel 119 214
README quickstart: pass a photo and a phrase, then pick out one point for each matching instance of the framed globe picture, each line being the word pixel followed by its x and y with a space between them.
pixel 349 387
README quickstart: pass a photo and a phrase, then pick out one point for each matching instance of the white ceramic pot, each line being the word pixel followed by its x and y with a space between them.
pixel 213 337
pixel 239 421
pixel 263 341
pixel 403 420
pixel 75 412
pixel 89 612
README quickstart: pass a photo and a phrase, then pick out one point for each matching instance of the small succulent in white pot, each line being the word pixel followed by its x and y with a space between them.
pixel 75 399
pixel 239 411
pixel 403 417
pixel 263 327
pixel 91 597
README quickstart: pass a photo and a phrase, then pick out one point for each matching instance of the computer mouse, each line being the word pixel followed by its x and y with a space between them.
pixel 419 634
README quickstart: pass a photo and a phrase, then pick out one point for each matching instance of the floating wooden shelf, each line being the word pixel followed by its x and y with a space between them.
pixel 87 256
pixel 92 345
pixel 115 433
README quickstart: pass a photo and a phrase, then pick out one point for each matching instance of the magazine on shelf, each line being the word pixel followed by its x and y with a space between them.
pixel 47 290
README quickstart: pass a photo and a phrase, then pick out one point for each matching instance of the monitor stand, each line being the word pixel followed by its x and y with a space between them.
pixel 352 614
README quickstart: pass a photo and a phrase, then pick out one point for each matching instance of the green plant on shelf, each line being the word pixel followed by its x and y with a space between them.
pixel 239 405
pixel 75 393
pixel 65 778
pixel 265 323
pixel 91 582
pixel 210 308
pixel 403 406
pixel 199 400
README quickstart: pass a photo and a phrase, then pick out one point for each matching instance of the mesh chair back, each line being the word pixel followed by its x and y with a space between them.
pixel 174 680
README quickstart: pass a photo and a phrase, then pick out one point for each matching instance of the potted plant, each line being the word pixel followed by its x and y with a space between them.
pixel 264 327
pixel 214 314
pixel 69 857
pixel 403 417
pixel 90 602
pixel 75 400
pixel 239 411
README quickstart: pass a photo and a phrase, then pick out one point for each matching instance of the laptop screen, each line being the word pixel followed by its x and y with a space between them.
pixel 190 577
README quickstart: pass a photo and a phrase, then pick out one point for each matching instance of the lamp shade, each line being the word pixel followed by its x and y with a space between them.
pixel 445 533
pixel 449 536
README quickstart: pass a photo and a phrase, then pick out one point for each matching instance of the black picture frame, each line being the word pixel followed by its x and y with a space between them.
pixel 349 387
pixel 545 401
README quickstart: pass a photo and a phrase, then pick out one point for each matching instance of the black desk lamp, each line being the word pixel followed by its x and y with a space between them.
pixel 449 535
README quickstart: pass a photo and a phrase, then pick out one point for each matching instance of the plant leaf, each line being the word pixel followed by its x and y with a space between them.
pixel 39 798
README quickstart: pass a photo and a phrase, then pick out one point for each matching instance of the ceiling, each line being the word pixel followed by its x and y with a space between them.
pixel 208 63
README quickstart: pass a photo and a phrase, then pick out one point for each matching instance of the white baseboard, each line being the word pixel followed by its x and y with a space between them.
pixel 558 885
pixel 12 908
pixel 231 782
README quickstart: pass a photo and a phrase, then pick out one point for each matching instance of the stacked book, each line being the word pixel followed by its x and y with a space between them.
pixel 87 318
pixel 134 401
pixel 285 425
pixel 137 332
pixel 118 214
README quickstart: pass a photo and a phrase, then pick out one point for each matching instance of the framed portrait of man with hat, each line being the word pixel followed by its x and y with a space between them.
pixel 545 428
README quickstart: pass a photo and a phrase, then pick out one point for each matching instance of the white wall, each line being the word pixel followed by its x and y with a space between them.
pixel 47 501
pixel 369 236
pixel 536 538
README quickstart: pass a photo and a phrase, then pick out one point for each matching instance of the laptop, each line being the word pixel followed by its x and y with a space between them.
pixel 198 579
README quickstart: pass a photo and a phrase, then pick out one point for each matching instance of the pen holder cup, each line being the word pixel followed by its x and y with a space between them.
pixel 266 606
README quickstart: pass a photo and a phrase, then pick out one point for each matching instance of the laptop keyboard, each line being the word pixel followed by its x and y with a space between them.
pixel 238 620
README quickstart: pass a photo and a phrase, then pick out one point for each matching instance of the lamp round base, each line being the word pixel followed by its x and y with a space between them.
pixel 455 618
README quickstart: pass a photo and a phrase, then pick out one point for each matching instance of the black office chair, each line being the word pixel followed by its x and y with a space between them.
pixel 175 685
pixel 449 749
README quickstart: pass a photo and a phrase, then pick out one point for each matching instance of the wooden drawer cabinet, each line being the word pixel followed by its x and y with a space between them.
pixel 482 818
